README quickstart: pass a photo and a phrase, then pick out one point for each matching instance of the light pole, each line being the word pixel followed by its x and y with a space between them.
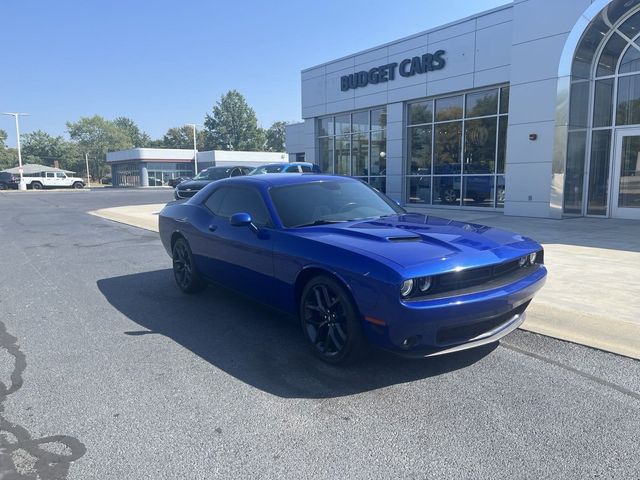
pixel 86 159
pixel 195 150
pixel 22 185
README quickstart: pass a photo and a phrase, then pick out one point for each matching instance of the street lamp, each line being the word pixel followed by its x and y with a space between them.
pixel 195 150
pixel 22 185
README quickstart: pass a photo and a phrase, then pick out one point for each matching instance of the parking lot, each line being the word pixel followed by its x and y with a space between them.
pixel 109 372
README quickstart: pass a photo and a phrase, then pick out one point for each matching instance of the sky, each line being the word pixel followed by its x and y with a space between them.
pixel 166 63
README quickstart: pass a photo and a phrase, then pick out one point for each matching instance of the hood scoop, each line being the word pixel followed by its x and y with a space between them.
pixel 404 238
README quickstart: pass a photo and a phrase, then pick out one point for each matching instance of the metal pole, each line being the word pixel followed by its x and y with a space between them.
pixel 22 185
pixel 195 150
pixel 86 159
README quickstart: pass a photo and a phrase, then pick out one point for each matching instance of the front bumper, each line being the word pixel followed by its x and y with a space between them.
pixel 445 325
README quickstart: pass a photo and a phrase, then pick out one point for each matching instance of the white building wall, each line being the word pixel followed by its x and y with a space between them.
pixel 540 30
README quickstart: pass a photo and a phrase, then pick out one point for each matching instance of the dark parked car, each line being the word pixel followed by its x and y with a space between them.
pixel 191 187
pixel 9 181
pixel 353 266
pixel 286 167
pixel 174 182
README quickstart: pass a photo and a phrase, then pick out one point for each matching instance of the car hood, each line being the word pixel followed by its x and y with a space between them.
pixel 414 241
pixel 194 184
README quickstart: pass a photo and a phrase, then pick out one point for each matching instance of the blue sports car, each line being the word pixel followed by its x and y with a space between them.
pixel 352 265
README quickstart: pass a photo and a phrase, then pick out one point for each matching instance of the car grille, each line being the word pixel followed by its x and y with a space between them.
pixel 469 331
pixel 185 193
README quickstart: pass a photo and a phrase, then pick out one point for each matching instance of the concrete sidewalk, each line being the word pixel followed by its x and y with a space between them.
pixel 592 295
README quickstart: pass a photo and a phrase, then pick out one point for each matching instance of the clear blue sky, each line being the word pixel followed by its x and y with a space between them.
pixel 165 63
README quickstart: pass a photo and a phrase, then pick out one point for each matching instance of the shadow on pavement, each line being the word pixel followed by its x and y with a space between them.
pixel 257 345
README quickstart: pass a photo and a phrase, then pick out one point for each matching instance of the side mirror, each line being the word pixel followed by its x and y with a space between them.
pixel 242 219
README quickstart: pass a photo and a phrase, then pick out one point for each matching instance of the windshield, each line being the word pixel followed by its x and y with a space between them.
pixel 317 203
pixel 213 174
pixel 267 169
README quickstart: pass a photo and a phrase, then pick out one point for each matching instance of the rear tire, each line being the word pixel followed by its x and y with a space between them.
pixel 185 272
pixel 3 186
pixel 78 185
pixel 331 322
pixel 36 186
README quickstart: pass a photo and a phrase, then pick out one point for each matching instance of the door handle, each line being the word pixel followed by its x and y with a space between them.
pixel 212 227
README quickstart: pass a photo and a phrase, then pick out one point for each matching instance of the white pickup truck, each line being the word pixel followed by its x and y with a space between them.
pixel 52 180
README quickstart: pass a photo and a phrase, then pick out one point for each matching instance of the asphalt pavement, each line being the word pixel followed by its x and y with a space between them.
pixel 108 372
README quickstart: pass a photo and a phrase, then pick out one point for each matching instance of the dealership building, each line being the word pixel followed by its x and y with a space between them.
pixel 532 108
pixel 154 167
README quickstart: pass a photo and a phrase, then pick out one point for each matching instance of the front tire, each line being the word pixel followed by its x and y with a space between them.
pixel 36 186
pixel 331 322
pixel 185 272
pixel 78 185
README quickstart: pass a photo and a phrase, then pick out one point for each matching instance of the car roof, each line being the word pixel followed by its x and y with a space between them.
pixel 278 179
pixel 227 167
pixel 284 164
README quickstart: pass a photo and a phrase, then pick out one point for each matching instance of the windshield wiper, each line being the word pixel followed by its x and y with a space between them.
pixel 320 222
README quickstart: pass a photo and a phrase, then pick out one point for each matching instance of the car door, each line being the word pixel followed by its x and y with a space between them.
pixel 62 180
pixel 237 256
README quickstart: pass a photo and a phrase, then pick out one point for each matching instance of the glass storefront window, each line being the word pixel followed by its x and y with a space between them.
pixel 448 140
pixel 628 111
pixel 342 124
pixel 603 103
pixel 482 104
pixel 358 147
pixel 326 154
pixel 343 155
pixel 421 112
pixel 449 108
pixel 360 155
pixel 631 61
pixel 360 122
pixel 574 174
pixel 480 145
pixel 457 162
pixel 419 149
pixel 504 100
pixel 479 191
pixel 378 153
pixel 579 104
pixel 610 55
pixel 599 172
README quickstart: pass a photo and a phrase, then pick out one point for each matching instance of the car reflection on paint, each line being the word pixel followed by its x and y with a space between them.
pixel 354 267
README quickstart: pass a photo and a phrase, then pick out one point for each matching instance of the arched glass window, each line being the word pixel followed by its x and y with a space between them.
pixel 605 94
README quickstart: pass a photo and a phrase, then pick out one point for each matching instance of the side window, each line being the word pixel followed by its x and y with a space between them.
pixel 50 174
pixel 215 200
pixel 238 199
pixel 60 175
pixel 236 172
pixel 293 169
pixel 306 168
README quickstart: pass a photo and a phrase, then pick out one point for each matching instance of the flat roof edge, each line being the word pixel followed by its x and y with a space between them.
pixel 409 37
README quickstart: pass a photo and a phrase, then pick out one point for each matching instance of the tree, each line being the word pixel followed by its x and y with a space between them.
pixel 8 156
pixel 276 137
pixel 138 138
pixel 182 137
pixel 40 147
pixel 97 136
pixel 233 125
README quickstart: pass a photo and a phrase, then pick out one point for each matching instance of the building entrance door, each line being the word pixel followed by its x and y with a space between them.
pixel 625 192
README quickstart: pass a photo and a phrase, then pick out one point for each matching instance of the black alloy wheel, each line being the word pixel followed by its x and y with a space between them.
pixel 184 269
pixel 450 195
pixel 330 322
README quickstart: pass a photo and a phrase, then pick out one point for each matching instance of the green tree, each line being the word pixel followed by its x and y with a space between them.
pixel 182 137
pixel 40 147
pixel 138 138
pixel 8 156
pixel 97 136
pixel 276 137
pixel 233 125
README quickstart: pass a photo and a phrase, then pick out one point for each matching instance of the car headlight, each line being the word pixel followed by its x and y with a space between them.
pixel 424 284
pixel 406 288
pixel 532 258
